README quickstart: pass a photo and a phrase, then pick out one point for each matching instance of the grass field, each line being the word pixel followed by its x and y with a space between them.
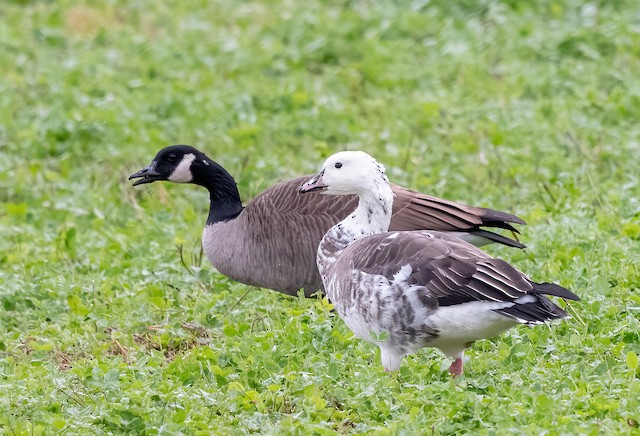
pixel 528 108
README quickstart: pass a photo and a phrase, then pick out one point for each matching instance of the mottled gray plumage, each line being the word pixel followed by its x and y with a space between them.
pixel 419 288
pixel 272 242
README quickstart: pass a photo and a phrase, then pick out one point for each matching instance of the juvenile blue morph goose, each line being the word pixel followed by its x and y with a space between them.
pixel 272 242
pixel 418 288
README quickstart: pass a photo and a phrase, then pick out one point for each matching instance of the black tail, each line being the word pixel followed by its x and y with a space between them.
pixel 535 312
pixel 499 220
pixel 542 309
pixel 495 237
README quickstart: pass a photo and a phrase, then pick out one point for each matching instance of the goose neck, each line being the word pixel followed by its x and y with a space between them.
pixel 225 202
pixel 372 216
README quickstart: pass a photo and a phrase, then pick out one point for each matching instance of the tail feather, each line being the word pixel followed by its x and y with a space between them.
pixel 534 312
pixel 500 225
pixel 542 309
pixel 495 237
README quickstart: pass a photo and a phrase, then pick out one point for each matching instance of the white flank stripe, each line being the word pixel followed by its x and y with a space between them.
pixel 526 299
pixel 403 274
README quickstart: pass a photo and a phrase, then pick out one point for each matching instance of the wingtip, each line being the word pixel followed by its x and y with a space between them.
pixel 517 220
pixel 556 291
pixel 497 216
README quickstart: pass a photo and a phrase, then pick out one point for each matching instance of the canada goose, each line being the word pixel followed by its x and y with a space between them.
pixel 272 242
pixel 417 288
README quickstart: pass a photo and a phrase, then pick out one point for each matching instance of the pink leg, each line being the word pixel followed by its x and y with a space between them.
pixel 456 367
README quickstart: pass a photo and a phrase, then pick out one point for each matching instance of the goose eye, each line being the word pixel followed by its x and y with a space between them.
pixel 172 157
pixel 338 165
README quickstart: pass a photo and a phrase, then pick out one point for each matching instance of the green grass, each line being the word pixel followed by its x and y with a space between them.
pixel 528 108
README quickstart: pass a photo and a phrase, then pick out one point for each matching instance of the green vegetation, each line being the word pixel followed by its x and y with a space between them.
pixel 529 107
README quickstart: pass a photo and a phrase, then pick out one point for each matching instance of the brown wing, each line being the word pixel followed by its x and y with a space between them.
pixel 287 227
pixel 451 271
pixel 415 211
pixel 411 210
pixel 284 200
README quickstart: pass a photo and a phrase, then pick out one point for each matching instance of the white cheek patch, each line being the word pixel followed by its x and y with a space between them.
pixel 182 173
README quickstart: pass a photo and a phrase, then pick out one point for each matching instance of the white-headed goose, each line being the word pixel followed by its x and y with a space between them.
pixel 415 288
pixel 272 242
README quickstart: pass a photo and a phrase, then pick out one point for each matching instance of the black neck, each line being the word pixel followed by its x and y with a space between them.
pixel 223 192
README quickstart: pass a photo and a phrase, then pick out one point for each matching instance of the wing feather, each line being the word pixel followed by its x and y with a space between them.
pixel 411 211
pixel 451 214
pixel 451 271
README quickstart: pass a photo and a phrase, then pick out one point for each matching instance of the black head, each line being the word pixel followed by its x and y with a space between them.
pixel 175 163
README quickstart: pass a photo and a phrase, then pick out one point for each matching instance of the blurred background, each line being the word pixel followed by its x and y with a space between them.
pixel 527 107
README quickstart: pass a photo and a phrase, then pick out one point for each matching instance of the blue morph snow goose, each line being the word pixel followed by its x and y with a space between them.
pixel 272 242
pixel 405 290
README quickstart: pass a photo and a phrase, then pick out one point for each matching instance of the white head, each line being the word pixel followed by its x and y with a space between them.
pixel 348 172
